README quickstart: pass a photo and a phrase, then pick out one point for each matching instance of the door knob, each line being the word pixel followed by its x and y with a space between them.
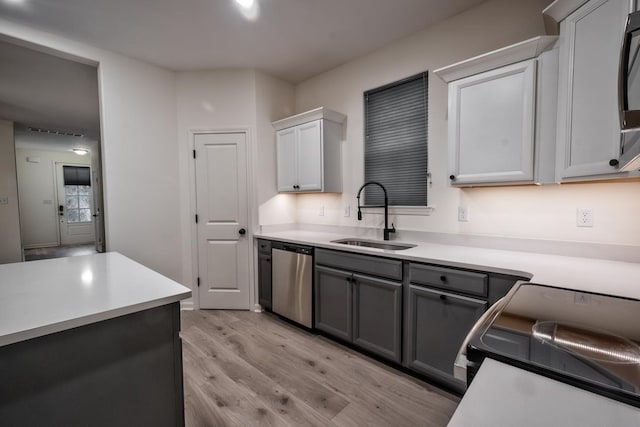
pixel 242 231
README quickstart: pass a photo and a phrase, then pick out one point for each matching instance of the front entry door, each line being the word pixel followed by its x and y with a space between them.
pixel 75 204
pixel 222 209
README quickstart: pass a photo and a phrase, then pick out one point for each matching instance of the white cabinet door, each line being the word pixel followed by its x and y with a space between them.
pixel 491 126
pixel 287 159
pixel 588 124
pixel 310 156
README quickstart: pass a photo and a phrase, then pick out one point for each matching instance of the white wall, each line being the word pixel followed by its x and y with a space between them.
pixel 207 100
pixel 546 212
pixel 140 151
pixel 274 101
pixel 37 193
pixel 10 246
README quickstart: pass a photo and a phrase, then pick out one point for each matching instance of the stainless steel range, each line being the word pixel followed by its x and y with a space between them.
pixel 585 339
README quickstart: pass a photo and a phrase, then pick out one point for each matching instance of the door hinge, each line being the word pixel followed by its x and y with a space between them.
pixel 194 154
pixel 198 282
pixel 196 218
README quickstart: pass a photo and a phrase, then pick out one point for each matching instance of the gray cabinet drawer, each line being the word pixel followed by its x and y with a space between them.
pixel 448 278
pixel 381 267
pixel 264 246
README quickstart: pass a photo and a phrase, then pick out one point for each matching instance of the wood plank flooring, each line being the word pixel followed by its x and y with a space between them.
pixel 59 252
pixel 253 369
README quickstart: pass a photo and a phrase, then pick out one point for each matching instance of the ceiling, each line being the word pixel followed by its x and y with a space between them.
pixel 290 39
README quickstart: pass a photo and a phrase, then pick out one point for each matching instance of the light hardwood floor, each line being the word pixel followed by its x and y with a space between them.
pixel 253 369
pixel 59 252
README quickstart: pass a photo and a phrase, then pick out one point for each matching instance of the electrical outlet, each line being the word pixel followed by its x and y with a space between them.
pixel 584 217
pixel 321 212
pixel 463 214
pixel 347 211
pixel 4 200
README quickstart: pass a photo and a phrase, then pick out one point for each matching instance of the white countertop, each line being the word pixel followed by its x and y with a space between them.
pixel 42 297
pixel 587 274
pixel 503 395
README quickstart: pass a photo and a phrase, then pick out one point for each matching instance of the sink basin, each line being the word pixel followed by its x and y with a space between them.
pixel 375 244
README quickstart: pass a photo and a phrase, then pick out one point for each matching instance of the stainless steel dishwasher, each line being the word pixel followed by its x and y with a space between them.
pixel 292 279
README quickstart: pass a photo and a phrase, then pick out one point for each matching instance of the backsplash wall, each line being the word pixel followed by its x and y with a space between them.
pixel 535 212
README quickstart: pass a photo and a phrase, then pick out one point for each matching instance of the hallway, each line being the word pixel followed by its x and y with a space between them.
pixel 59 252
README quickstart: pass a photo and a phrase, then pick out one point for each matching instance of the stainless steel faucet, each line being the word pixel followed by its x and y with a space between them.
pixel 386 230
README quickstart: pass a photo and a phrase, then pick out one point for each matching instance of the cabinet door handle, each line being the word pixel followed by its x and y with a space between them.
pixel 614 162
pixel 452 177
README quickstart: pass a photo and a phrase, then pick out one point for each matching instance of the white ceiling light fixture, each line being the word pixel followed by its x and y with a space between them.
pixel 247 4
pixel 80 151
pixel 248 8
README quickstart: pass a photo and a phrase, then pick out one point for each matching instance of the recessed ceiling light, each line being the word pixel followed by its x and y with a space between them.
pixel 247 4
pixel 80 151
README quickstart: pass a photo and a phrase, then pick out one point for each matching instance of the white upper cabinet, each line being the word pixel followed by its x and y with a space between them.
pixel 499 132
pixel 309 151
pixel 588 131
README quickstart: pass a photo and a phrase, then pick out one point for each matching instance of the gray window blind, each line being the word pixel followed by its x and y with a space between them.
pixel 395 148
pixel 76 175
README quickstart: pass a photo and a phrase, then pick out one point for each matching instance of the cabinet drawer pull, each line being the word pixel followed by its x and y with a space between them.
pixel 443 278
pixel 443 297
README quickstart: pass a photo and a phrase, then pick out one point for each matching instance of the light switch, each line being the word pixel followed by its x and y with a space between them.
pixel 4 200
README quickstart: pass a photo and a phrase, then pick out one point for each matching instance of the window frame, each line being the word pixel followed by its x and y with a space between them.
pixel 421 209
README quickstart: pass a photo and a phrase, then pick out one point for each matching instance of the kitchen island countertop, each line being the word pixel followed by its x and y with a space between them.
pixel 586 274
pixel 42 297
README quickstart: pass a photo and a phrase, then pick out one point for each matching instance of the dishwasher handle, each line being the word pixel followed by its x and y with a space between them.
pixel 305 250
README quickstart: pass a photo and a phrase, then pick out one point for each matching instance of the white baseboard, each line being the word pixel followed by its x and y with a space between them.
pixel 187 305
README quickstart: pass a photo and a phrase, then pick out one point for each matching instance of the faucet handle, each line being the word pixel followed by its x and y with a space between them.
pixel 393 228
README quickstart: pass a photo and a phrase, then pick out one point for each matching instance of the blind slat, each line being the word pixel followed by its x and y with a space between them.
pixel 76 175
pixel 396 142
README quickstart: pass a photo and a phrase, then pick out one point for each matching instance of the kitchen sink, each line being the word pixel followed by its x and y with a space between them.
pixel 374 244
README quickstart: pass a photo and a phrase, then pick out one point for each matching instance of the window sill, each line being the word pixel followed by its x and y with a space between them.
pixel 404 210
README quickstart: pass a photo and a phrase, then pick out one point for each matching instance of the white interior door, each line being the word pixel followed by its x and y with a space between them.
pixel 222 209
pixel 75 204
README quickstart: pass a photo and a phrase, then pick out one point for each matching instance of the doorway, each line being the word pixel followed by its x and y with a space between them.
pixel 52 102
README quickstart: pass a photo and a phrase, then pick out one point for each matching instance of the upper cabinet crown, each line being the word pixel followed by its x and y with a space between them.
pixel 502 115
pixel 588 134
pixel 308 149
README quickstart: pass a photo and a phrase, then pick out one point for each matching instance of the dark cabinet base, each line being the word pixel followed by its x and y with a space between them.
pixel 121 371
pixel 436 324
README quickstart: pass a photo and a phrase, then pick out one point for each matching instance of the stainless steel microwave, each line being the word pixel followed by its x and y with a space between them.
pixel 629 94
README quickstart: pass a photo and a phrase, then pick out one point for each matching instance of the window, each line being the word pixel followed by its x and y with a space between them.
pixel 395 147
pixel 77 191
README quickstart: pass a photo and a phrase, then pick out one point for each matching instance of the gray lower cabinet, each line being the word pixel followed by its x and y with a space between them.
pixel 264 274
pixel 359 308
pixel 408 313
pixel 333 302
pixel 377 320
pixel 436 324
pixel 125 371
